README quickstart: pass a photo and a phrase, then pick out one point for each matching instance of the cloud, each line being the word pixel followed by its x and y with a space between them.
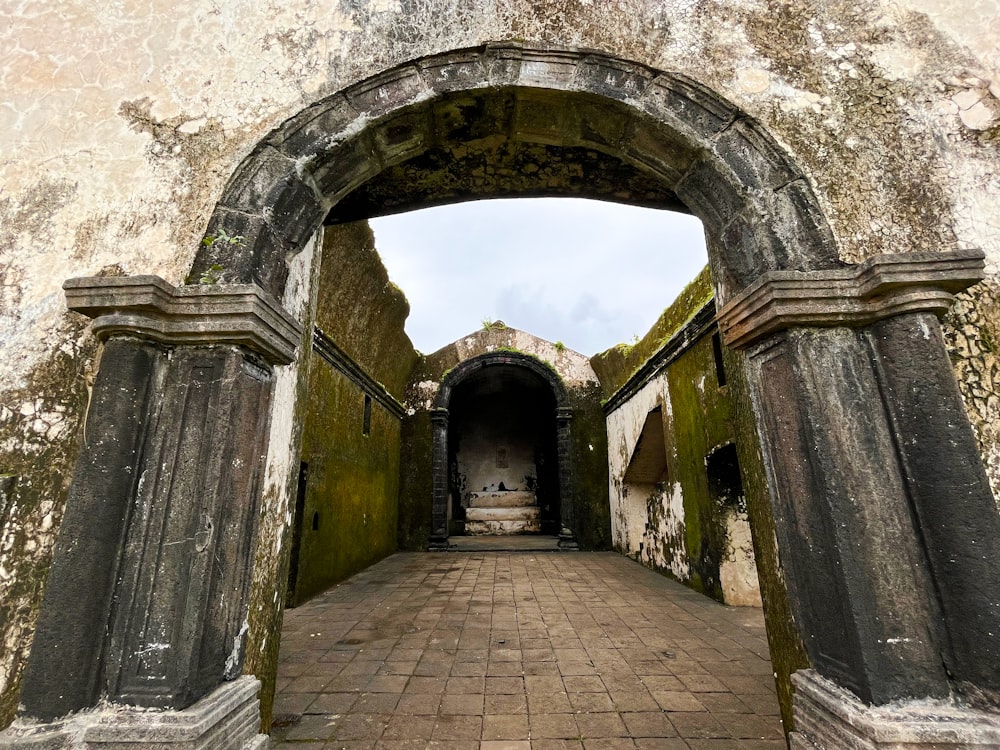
pixel 588 273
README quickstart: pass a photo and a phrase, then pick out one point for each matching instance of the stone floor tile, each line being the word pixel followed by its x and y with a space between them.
pixel 458 728
pixel 601 724
pixel 361 726
pixel 590 702
pixel 506 704
pixel 417 704
pixel 555 703
pixel 374 703
pixel 661 743
pixel 505 685
pixel 553 726
pixel 505 727
pixel 677 701
pixel 609 743
pixel 648 724
pixel 462 704
pixel 584 684
pixel 553 744
pixel 698 725
pixel 505 745
pixel 722 703
pixel 465 685
pixel 318 728
pixel 402 727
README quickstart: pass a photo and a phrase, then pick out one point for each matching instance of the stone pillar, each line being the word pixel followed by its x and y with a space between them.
pixel 439 468
pixel 145 604
pixel 567 502
pixel 886 527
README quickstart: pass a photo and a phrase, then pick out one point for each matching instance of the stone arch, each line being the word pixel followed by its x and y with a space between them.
pixel 849 386
pixel 380 146
pixel 439 453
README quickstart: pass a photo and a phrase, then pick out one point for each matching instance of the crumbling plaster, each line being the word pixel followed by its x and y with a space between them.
pixel 122 123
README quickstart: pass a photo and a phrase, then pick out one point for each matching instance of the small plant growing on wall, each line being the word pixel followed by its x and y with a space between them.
pixel 560 347
pixel 222 238
pixel 493 325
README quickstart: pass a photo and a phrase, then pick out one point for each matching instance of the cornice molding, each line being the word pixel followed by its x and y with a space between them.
pixel 151 308
pixel 883 286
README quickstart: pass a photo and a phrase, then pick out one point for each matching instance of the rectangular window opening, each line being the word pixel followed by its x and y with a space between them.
pixel 366 427
pixel 720 372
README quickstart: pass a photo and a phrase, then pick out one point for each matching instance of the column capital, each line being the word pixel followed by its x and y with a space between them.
pixel 564 413
pixel 881 287
pixel 439 415
pixel 151 308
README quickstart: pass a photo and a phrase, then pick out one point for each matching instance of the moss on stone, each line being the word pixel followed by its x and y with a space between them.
pixel 361 310
pixel 617 364
pixel 590 468
pixel 349 519
pixel 41 444
pixel 787 652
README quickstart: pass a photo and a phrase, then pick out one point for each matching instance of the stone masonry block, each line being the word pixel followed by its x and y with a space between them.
pixel 754 158
pixel 465 118
pixel 386 92
pixel 806 240
pixel 462 70
pixel 709 195
pixel 260 259
pixel 346 166
pixel 317 128
pixel 548 69
pixel 616 79
pixel 686 106
pixel 666 153
pixel 503 63
pixel 403 136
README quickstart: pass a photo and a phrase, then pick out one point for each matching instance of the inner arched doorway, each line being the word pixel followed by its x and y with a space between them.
pixel 503 423
pixel 849 388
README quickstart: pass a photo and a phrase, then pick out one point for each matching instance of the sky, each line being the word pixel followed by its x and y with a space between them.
pixel 590 274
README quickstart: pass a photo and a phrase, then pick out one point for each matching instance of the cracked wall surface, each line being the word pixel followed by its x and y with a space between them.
pixel 122 124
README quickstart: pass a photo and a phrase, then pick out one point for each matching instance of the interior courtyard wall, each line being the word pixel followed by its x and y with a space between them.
pixel 677 525
pixel 349 518
pixel 122 126
pixel 650 523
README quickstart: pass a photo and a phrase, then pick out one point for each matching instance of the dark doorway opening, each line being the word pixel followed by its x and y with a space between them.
pixel 503 464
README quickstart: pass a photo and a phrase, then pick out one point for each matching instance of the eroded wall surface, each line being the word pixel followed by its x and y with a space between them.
pixel 121 124
pixel 675 519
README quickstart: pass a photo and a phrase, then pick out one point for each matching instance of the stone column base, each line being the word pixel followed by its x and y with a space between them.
pixel 226 719
pixel 828 717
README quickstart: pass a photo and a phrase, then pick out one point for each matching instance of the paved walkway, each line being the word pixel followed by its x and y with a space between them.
pixel 523 651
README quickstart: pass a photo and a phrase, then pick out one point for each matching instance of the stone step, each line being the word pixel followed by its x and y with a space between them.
pixel 512 499
pixel 502 528
pixel 502 514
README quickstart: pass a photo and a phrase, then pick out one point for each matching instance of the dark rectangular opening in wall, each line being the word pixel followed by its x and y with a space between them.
pixel 366 427
pixel 300 506
pixel 720 372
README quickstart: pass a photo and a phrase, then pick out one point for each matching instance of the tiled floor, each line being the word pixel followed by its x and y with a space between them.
pixel 522 651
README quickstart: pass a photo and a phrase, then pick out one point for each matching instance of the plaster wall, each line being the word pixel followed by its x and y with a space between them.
pixel 480 443
pixel 122 123
pixel 647 521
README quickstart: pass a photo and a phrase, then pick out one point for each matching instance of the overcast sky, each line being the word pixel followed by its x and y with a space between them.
pixel 588 273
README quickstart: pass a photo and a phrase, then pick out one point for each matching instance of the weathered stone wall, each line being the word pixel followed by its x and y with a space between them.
pixel 122 125
pixel 672 519
pixel 677 526
pixel 350 515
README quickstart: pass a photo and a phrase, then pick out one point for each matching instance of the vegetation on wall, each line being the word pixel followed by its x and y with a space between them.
pixel 617 364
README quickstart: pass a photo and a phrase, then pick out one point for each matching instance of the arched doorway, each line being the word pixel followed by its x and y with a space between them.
pixel 502 416
pixel 849 386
